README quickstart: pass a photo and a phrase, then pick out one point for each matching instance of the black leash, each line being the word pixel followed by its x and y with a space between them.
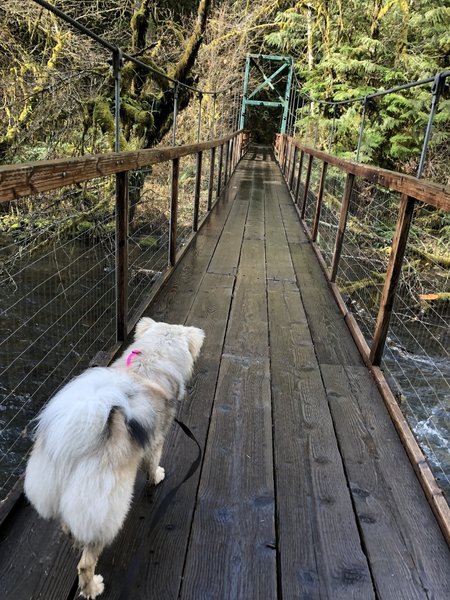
pixel 165 503
pixel 194 466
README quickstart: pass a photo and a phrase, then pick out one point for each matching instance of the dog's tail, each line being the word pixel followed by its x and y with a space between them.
pixel 85 414
pixel 121 425
pixel 85 433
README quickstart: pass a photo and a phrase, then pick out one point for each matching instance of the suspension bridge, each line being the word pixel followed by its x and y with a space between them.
pixel 311 483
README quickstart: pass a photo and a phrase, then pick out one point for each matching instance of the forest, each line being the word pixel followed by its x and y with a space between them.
pixel 57 86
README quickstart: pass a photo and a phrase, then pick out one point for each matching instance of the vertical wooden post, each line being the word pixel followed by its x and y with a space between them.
pixel 232 148
pixel 299 176
pixel 219 175
pixel 227 154
pixel 281 150
pixel 287 150
pixel 294 159
pixel 198 180
pixel 236 152
pixel 323 175
pixel 404 220
pixel 174 212
pixel 212 158
pixel 307 180
pixel 342 224
pixel 122 256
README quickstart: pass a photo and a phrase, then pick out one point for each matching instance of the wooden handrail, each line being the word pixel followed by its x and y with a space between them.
pixel 18 181
pixel 411 189
pixel 431 193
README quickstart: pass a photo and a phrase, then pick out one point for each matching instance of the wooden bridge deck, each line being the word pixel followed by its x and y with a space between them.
pixel 304 490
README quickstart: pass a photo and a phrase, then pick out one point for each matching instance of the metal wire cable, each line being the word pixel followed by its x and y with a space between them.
pixel 115 49
pixel 411 84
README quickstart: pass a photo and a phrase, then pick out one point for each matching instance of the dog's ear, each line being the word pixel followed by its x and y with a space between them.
pixel 195 340
pixel 143 326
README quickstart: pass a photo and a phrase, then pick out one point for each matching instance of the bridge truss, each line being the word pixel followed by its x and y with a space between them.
pixel 271 80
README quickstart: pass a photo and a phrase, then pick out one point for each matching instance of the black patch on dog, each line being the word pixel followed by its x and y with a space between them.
pixel 138 432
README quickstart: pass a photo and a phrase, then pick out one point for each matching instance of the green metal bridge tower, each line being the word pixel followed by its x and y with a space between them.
pixel 271 82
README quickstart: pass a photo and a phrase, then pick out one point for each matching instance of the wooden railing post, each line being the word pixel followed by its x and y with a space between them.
pixel 227 155
pixel 238 150
pixel 219 175
pixel 319 201
pixel 212 158
pixel 198 180
pixel 281 150
pixel 393 272
pixel 342 224
pixel 234 161
pixel 174 212
pixel 122 200
pixel 294 159
pixel 287 150
pixel 307 180
pixel 299 176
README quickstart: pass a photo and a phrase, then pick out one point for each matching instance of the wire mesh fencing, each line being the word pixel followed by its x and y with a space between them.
pixel 329 214
pixel 371 221
pixel 60 272
pixel 149 219
pixel 417 355
pixel 186 191
pixel 58 296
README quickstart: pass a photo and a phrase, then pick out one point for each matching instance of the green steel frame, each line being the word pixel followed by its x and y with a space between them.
pixel 251 99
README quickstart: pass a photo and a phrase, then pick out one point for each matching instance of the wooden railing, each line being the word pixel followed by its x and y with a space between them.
pixel 22 180
pixel 410 188
pixel 73 307
pixel 296 163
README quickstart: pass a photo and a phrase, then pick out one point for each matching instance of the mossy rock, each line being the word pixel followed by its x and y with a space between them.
pixel 148 242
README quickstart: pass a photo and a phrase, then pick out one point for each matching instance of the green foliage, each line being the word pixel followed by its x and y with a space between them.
pixel 359 47
pixel 148 242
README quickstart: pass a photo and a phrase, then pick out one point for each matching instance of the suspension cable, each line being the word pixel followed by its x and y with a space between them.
pixel 398 88
pixel 115 49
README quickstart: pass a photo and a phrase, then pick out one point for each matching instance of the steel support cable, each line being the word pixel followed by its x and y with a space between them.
pixel 116 50
pixel 442 75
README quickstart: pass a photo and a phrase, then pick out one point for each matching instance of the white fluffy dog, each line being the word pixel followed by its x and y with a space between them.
pixel 96 431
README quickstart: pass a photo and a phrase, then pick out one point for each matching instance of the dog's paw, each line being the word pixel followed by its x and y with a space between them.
pixel 93 588
pixel 159 475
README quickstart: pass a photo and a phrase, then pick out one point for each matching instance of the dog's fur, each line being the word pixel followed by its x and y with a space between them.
pixel 96 431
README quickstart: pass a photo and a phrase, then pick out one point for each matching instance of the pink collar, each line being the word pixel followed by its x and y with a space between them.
pixel 132 354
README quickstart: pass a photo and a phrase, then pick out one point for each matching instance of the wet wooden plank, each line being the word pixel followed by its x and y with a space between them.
pixel 233 528
pixel 254 228
pixel 320 554
pixel 333 341
pixel 234 519
pixel 279 264
pixel 226 255
pixel 36 559
pixel 408 555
